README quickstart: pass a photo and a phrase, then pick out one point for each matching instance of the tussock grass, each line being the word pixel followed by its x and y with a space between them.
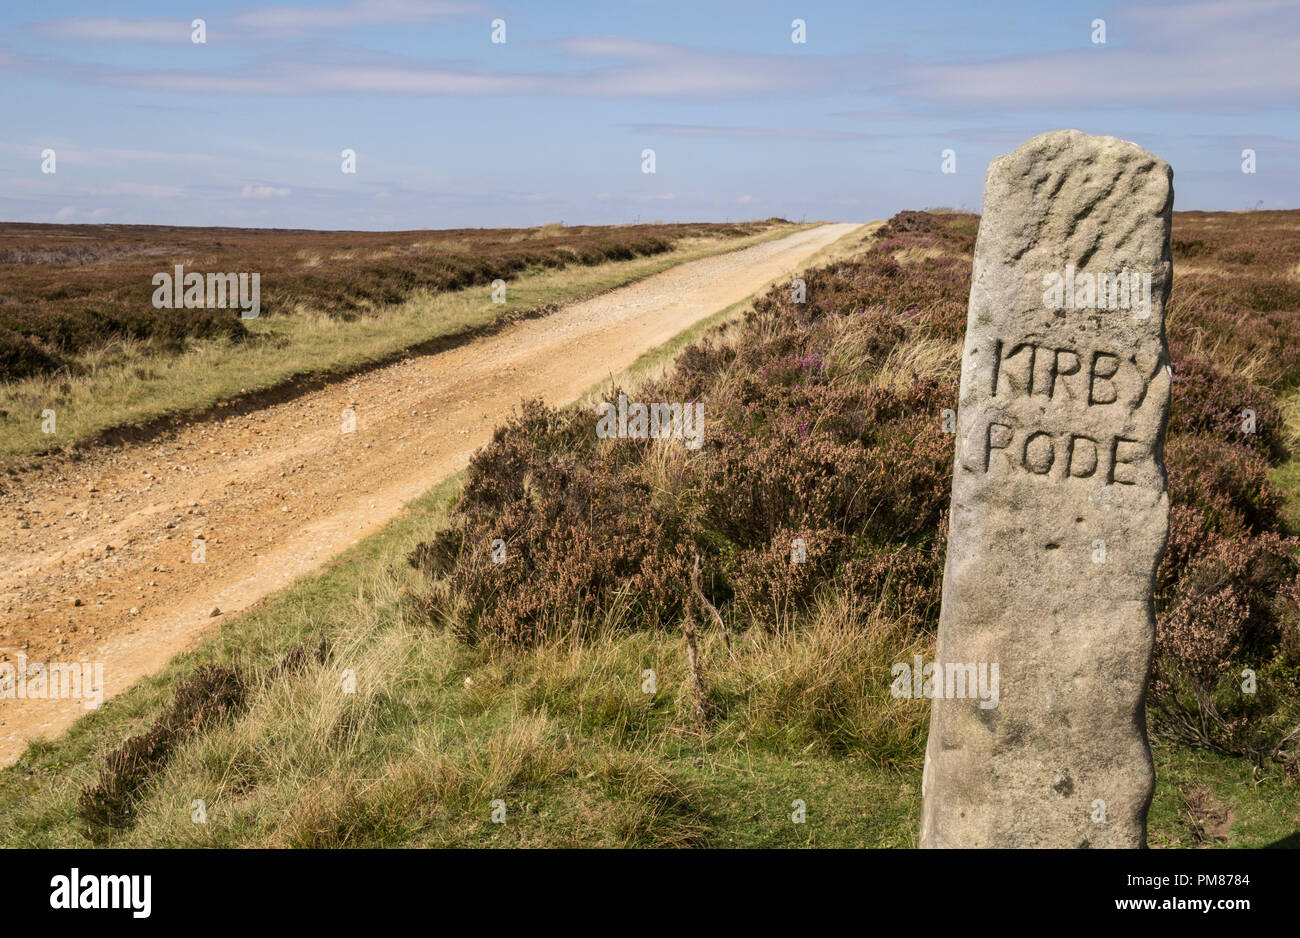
pixel 436 731
pixel 1287 474
pixel 915 355
pixel 912 255
pixel 1201 342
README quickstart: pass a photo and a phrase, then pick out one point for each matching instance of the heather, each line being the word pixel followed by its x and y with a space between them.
pixel 825 438
pixel 212 694
pixel 807 448
pixel 109 364
pixel 69 289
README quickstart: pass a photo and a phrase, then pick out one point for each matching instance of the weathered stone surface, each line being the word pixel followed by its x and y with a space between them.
pixel 1059 509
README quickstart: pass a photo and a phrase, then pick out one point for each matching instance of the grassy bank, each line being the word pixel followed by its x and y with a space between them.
pixel 564 735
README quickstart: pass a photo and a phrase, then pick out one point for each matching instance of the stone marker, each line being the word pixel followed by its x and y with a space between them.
pixel 1059 511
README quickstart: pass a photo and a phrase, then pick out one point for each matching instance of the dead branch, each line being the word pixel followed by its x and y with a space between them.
pixel 698 690
pixel 709 607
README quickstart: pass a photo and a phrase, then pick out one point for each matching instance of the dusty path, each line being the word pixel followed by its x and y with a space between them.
pixel 96 552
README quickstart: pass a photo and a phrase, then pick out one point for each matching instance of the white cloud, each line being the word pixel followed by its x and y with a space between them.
pixel 1236 56
pixel 272 19
pixel 750 133
pixel 647 69
pixel 348 15
pixel 119 29
pixel 264 192
pixel 73 154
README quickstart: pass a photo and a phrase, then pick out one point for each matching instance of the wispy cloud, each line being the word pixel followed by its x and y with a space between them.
pixel 297 19
pixel 617 47
pixel 1233 57
pixel 752 133
pixel 712 78
pixel 593 66
pixel 118 29
pixel 265 192
pixel 271 20
pixel 76 154
pixel 139 190
pixel 662 69
pixel 288 78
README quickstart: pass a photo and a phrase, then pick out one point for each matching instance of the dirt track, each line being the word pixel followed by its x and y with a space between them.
pixel 95 551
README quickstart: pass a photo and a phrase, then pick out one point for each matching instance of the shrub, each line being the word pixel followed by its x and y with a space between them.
pixel 23 356
pixel 817 433
pixel 211 694
pixel 801 444
pixel 1206 399
pixel 1227 482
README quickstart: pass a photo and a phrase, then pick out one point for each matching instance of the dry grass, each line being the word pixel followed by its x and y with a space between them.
pixel 916 355
pixel 562 738
pixel 1291 422
pixel 915 255
pixel 1180 317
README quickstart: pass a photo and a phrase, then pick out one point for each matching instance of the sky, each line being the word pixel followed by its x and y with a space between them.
pixel 451 129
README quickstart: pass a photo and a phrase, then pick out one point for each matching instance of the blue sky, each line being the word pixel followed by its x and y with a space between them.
pixel 453 130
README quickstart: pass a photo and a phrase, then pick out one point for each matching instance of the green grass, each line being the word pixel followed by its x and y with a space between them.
pixel 563 735
pixel 1197 790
